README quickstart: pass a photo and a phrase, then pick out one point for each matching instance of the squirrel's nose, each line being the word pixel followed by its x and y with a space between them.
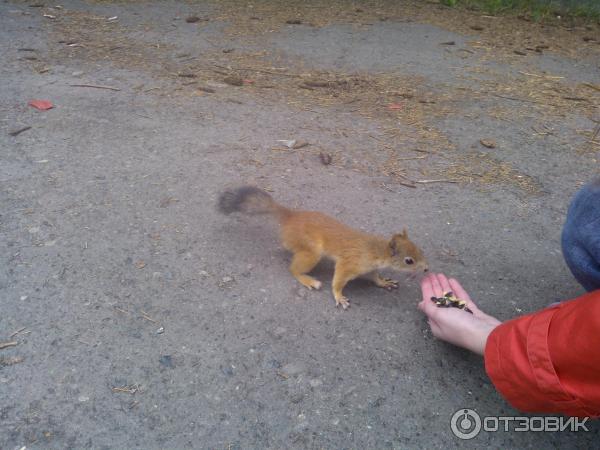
pixel 426 269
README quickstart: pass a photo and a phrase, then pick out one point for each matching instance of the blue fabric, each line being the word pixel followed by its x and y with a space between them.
pixel 581 236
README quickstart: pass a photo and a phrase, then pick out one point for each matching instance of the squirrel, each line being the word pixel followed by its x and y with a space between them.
pixel 311 235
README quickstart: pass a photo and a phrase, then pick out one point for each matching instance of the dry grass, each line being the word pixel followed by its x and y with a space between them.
pixel 502 34
pixel 404 107
pixel 484 169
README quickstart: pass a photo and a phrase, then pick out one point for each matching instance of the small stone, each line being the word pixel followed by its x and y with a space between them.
pixel 23 298
pixel 289 143
pixel 378 402
pixel 168 200
pixel 234 80
pixel 300 144
pixel 279 331
pixel 275 364
pixel 161 330
pixel 77 73
pixel 203 273
pixel 83 398
pixel 301 292
pixel 325 158
pixel 294 368
pixel 225 281
pixel 167 361
pixel 315 382
pixel 489 143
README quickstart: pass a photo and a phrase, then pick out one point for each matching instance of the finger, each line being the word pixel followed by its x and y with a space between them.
pixel 437 287
pixel 460 292
pixel 444 283
pixel 427 288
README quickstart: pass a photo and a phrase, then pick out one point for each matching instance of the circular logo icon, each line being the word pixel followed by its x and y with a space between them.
pixel 465 424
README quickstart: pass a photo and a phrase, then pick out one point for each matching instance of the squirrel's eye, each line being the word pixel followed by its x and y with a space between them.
pixel 408 260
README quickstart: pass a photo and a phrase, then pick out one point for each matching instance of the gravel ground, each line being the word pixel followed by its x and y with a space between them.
pixel 144 319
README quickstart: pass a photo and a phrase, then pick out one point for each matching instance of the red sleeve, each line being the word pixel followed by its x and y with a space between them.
pixel 549 361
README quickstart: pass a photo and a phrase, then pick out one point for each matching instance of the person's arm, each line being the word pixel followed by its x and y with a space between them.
pixel 548 361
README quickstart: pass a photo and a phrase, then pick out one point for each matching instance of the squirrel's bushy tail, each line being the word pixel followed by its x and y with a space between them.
pixel 250 200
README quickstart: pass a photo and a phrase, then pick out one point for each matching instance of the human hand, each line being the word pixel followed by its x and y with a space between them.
pixel 454 325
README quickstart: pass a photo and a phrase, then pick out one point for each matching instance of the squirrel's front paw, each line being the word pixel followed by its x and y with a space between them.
pixel 342 301
pixel 388 283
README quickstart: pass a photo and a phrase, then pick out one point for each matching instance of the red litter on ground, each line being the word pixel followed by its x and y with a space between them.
pixel 42 105
pixel 395 106
pixel 248 81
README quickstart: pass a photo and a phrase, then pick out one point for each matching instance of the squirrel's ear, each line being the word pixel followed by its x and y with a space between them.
pixel 404 233
pixel 393 248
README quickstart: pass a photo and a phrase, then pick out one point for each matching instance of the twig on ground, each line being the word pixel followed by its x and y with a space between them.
pixel 132 389
pixel 388 188
pixel 591 86
pixel 552 77
pixel 17 332
pixel 147 317
pixel 5 361
pixel 436 181
pixel 7 344
pixel 95 86
pixel 596 131
pixel 411 157
pixel 404 177
pixel 250 69
pixel 19 131
pixel 514 98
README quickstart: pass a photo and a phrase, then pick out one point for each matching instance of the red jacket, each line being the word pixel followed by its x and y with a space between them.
pixel 549 361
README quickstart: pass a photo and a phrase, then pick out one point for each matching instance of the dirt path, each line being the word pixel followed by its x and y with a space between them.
pixel 143 319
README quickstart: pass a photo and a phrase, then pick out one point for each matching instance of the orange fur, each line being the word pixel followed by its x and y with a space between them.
pixel 312 235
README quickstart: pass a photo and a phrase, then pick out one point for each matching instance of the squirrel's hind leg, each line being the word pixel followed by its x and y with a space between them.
pixel 303 262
